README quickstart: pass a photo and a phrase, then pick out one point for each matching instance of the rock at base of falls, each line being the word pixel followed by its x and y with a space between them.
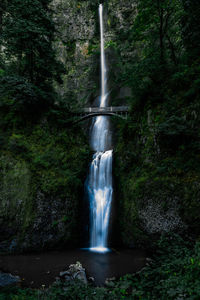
pixel 75 271
pixel 8 280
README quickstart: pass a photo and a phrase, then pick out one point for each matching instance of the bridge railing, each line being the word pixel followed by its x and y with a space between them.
pixel 90 112
pixel 104 109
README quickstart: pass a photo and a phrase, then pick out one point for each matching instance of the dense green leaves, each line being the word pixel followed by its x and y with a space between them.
pixel 191 26
pixel 157 149
pixel 28 60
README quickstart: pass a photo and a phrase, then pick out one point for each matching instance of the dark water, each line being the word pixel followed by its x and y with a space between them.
pixel 41 269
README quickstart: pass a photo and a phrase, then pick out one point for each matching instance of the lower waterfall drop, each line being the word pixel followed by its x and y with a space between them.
pixel 100 191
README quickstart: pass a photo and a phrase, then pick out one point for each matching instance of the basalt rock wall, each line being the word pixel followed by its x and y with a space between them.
pixel 77 46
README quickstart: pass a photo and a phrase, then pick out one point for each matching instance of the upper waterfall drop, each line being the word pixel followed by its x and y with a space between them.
pixel 100 187
pixel 100 133
pixel 104 97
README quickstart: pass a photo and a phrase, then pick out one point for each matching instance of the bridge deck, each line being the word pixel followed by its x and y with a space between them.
pixel 90 112
pixel 104 109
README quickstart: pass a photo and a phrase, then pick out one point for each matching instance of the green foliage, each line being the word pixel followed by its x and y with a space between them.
pixel 27 35
pixel 46 161
pixel 191 27
pixel 157 149
pixel 45 150
pixel 172 274
pixel 29 64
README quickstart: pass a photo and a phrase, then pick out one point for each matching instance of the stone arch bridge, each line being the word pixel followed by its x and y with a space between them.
pixel 91 112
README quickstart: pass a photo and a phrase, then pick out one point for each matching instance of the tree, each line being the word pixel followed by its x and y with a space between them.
pixel 158 23
pixel 156 39
pixel 27 37
pixel 191 27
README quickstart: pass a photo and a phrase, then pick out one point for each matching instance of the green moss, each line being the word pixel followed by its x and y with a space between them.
pixel 41 165
pixel 151 166
pixel 15 185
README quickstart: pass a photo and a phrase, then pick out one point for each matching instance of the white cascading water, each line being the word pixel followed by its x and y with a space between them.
pixel 100 176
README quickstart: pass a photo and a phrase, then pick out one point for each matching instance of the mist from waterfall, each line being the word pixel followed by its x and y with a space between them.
pixel 100 186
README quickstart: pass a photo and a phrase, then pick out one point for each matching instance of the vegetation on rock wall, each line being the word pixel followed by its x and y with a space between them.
pixel 43 160
pixel 157 152
pixel 43 168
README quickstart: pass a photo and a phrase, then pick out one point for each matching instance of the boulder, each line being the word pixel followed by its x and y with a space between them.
pixel 7 280
pixel 75 271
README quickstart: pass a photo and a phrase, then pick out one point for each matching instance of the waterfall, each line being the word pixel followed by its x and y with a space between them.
pixel 100 176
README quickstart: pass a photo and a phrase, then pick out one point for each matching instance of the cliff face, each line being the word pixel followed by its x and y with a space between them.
pixel 42 179
pixel 147 207
pixel 76 28
pixel 77 45
pixel 151 193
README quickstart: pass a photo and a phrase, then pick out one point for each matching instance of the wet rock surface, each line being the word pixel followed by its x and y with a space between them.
pixel 77 44
pixel 8 280
pixel 76 30
pixel 156 219
pixel 75 271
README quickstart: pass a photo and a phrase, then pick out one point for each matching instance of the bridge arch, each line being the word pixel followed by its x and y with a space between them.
pixel 92 115
pixel 91 112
